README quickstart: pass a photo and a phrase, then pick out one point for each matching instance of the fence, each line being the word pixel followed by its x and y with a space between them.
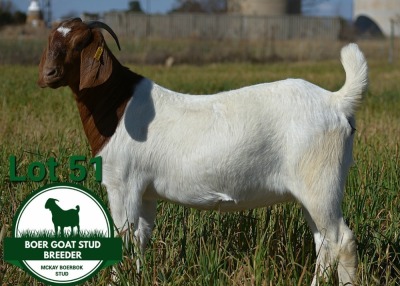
pixel 223 27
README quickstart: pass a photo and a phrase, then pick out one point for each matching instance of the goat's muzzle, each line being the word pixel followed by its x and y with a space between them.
pixel 50 77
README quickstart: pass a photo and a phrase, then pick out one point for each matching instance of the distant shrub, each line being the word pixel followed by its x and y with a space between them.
pixel 7 17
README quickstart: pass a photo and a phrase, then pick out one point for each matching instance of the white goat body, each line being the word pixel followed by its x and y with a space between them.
pixel 230 151
pixel 241 149
pixel 235 150
pixel 252 147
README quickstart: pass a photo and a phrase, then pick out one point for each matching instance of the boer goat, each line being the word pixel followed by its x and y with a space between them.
pixel 259 145
pixel 63 218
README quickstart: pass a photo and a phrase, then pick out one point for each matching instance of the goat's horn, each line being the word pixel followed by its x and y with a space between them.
pixel 97 24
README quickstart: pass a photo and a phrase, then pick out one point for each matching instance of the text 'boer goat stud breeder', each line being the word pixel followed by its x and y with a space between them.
pixel 259 145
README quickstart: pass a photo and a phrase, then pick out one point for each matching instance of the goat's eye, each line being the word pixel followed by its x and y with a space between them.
pixel 81 42
pixel 79 47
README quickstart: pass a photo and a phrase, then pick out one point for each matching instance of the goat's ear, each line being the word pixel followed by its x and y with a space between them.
pixel 96 65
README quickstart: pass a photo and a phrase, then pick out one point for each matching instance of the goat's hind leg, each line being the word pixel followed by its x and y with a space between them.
pixel 334 242
pixel 321 175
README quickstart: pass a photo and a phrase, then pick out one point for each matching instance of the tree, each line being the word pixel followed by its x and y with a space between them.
pixel 19 17
pixel 188 7
pixel 8 16
pixel 215 6
pixel 134 6
pixel 5 18
pixel 200 6
pixel 294 7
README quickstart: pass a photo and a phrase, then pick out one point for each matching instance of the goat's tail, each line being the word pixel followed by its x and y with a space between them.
pixel 355 66
pixel 77 208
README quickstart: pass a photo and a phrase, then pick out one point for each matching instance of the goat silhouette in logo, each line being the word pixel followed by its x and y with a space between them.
pixel 63 218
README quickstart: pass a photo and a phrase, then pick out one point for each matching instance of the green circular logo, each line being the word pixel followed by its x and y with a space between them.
pixel 62 235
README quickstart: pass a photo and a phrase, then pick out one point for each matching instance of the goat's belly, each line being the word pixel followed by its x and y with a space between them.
pixel 207 199
pixel 226 204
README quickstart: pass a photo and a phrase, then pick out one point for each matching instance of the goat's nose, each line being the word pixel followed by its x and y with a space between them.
pixel 50 72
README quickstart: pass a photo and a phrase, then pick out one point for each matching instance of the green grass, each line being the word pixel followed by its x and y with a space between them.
pixel 268 246
pixel 38 234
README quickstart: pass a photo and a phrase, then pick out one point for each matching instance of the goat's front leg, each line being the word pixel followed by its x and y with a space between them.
pixel 143 227
pixel 129 208
pixel 118 210
pixel 117 202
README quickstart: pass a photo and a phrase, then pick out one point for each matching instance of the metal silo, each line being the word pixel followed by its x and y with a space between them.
pixel 257 7
pixel 381 12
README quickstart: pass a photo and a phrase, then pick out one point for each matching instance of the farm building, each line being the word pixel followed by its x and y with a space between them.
pixel 375 16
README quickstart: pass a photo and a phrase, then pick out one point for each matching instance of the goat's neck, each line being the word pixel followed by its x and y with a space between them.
pixel 102 107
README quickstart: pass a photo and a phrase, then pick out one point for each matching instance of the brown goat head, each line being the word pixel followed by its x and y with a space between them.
pixel 76 55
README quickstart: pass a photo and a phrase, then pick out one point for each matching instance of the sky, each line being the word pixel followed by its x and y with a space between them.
pixel 60 8
pixel 63 7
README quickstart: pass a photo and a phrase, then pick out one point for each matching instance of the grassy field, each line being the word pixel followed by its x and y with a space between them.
pixel 269 246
